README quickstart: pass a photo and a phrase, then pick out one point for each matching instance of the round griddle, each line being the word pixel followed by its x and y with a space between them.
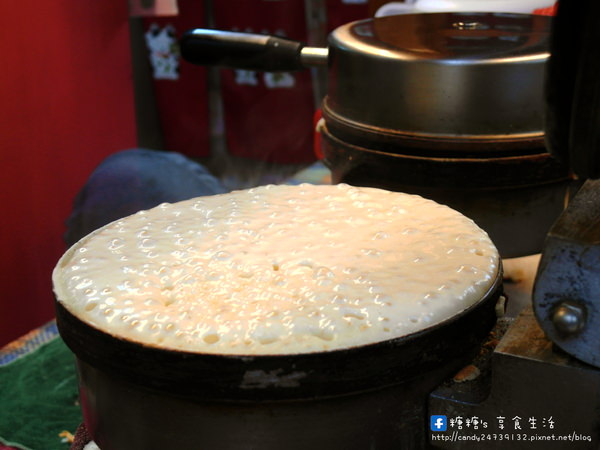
pixel 136 396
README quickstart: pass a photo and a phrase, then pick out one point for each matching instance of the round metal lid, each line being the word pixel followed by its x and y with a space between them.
pixel 441 75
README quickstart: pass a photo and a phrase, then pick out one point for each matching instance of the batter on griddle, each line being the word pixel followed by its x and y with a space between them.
pixel 278 269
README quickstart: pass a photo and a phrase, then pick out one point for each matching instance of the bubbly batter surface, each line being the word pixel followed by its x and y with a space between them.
pixel 278 269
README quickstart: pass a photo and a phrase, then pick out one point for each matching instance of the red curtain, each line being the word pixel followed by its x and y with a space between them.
pixel 66 102
pixel 183 103
pixel 269 117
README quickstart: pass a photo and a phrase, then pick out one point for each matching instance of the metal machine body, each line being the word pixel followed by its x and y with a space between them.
pixel 543 377
pixel 540 381
pixel 565 299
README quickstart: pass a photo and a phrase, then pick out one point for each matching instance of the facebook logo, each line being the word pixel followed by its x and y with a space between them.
pixel 439 423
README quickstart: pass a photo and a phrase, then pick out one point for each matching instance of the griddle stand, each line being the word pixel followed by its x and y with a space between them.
pixel 530 377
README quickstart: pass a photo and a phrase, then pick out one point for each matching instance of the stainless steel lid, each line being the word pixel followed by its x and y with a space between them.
pixel 441 75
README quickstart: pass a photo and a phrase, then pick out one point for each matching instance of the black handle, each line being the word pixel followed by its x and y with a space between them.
pixel 241 50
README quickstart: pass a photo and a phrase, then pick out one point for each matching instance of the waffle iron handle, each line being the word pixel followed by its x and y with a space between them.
pixel 248 51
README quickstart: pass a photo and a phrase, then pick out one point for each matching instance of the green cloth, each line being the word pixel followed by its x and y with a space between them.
pixel 39 398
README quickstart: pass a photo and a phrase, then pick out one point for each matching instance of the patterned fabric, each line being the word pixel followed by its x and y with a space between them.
pixel 39 396
pixel 25 345
pixel 28 343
